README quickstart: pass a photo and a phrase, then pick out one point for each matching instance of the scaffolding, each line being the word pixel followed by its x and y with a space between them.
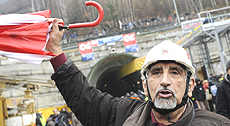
pixel 213 24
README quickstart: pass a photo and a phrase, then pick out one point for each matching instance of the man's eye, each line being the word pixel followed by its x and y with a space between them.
pixel 156 73
pixel 175 72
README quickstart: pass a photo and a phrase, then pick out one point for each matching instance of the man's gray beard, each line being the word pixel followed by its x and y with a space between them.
pixel 165 103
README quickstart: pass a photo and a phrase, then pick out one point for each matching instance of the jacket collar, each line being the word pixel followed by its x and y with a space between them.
pixel 226 77
pixel 142 116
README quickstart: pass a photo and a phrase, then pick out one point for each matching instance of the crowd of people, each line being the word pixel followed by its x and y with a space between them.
pixel 145 22
pixel 109 29
pixel 62 118
pixel 213 94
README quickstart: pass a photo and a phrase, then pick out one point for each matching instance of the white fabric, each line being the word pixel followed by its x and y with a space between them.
pixel 17 19
pixel 28 58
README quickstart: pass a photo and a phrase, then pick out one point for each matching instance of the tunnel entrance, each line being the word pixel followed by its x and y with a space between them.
pixel 104 75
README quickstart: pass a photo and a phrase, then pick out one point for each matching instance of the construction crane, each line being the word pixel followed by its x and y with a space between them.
pixel 30 84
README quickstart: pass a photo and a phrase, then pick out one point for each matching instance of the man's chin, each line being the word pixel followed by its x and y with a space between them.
pixel 165 103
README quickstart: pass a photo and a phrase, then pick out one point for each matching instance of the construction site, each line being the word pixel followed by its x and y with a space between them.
pixel 26 89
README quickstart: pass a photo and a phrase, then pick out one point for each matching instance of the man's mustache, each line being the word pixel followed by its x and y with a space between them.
pixel 161 89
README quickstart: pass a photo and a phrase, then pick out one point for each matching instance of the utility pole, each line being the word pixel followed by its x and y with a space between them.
pixel 178 18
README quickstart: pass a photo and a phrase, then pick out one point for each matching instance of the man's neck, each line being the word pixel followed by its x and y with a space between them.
pixel 175 116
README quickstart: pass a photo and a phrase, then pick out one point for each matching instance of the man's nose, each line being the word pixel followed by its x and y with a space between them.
pixel 165 81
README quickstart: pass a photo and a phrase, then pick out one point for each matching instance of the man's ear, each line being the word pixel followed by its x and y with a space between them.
pixel 144 84
pixel 191 86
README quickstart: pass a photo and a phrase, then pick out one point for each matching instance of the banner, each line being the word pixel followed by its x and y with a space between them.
pixel 187 26
pixel 130 42
pixel 109 39
pixel 86 50
pixel 94 43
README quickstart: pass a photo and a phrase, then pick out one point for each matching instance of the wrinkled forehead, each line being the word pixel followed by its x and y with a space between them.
pixel 166 62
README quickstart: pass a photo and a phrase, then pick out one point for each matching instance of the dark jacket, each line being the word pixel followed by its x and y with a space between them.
pixel 63 118
pixel 199 92
pixel 38 121
pixel 50 122
pixel 94 108
pixel 223 97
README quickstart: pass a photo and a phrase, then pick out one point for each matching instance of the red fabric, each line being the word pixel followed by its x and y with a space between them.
pixel 24 38
pixel 129 39
pixel 85 47
pixel 58 61
pixel 45 13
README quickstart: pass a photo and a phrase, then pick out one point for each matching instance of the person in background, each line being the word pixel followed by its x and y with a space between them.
pixel 63 118
pixel 50 122
pixel 199 95
pixel 208 95
pixel 55 115
pixel 52 118
pixel 38 121
pixel 40 116
pixel 214 78
pixel 213 90
pixel 193 99
pixel 223 94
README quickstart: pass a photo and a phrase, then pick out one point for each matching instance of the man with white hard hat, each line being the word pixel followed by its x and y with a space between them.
pixel 167 82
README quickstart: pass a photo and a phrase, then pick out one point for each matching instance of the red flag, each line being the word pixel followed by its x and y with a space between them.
pixel 129 39
pixel 86 50
pixel 85 47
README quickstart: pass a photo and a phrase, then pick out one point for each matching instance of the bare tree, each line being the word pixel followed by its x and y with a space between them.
pixel 72 11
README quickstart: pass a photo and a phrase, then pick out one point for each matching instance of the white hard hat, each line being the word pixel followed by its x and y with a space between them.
pixel 168 50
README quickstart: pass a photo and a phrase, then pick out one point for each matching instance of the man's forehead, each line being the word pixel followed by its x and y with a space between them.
pixel 165 64
pixel 168 64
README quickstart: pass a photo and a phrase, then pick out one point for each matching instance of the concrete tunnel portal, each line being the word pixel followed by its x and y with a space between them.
pixel 103 75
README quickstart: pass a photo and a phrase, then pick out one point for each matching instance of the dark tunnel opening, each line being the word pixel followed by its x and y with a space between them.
pixel 104 76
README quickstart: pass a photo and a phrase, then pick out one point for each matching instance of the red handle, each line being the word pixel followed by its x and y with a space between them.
pixel 90 24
